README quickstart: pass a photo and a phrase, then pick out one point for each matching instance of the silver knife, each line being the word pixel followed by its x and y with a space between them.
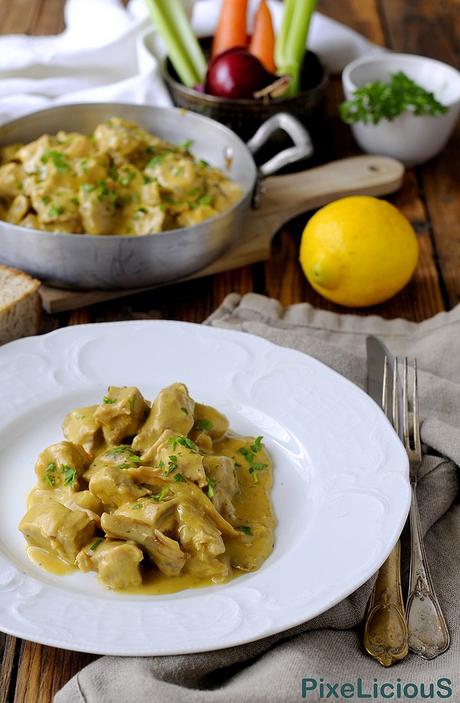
pixel 376 353
pixel 385 630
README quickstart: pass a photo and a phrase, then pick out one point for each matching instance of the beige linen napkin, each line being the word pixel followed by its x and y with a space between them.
pixel 328 647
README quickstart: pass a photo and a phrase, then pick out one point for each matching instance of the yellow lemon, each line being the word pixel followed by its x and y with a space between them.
pixel 358 251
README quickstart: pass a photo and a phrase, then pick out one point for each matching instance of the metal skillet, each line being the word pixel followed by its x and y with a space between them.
pixel 83 261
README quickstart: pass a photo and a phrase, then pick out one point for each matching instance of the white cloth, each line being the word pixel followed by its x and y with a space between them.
pixel 108 53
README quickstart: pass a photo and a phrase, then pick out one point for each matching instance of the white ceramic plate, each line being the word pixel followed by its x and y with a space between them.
pixel 341 491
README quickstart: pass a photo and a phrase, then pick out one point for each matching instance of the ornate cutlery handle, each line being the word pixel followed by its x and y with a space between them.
pixel 385 628
pixel 428 633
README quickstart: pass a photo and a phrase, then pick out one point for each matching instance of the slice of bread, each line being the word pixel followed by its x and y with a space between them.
pixel 19 304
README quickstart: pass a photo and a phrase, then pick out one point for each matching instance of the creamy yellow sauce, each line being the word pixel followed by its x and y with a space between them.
pixel 253 507
pixel 49 561
pixel 156 584
pixel 57 509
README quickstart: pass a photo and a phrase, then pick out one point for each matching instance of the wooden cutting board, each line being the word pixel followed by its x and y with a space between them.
pixel 282 198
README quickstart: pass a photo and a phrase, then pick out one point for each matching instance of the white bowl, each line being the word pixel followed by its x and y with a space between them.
pixel 409 138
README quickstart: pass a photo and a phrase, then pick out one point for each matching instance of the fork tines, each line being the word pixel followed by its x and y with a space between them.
pixel 411 435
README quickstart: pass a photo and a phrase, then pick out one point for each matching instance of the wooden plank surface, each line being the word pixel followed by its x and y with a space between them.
pixel 438 180
pixel 430 198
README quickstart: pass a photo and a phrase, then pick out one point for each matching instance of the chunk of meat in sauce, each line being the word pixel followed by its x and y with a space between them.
pixel 121 413
pixel 62 465
pixel 144 522
pixel 52 526
pixel 172 409
pixel 117 563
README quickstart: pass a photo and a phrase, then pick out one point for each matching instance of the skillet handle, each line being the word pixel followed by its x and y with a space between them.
pixel 302 148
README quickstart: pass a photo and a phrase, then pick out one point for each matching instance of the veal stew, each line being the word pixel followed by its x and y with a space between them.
pixel 160 496
pixel 120 180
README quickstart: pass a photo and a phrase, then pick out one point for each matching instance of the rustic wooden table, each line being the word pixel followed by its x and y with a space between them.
pixel 430 197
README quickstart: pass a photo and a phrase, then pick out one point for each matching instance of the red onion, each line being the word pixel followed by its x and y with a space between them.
pixel 237 74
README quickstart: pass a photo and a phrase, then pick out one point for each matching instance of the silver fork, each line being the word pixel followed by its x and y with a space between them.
pixel 428 633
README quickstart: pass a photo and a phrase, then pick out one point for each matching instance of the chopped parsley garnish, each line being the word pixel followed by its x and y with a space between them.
pixel 55 210
pixel 184 442
pixel 159 497
pixel 96 544
pixel 249 455
pixel 87 187
pixel 187 144
pixel 172 464
pixel 161 464
pixel 211 484
pixel 203 425
pixel 254 468
pixel 185 411
pixel 119 449
pixel 133 460
pixel 46 200
pixel 70 475
pixel 108 401
pixel 130 458
pixel 245 528
pixel 179 478
pixel 187 442
pixel 136 506
pixel 104 193
pixel 202 163
pixel 49 476
pixel 156 160
pixel 205 199
pixel 126 178
pixel 58 159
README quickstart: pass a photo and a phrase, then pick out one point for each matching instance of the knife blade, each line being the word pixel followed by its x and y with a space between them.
pixel 376 353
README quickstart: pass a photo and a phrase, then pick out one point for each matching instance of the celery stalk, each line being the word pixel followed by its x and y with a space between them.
pixel 172 24
pixel 291 41
pixel 179 20
pixel 282 38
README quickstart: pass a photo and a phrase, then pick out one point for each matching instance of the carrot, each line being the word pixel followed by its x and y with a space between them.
pixel 231 26
pixel 263 37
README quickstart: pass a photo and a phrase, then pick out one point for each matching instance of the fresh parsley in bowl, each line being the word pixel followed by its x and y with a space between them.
pixel 401 105
pixel 386 100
